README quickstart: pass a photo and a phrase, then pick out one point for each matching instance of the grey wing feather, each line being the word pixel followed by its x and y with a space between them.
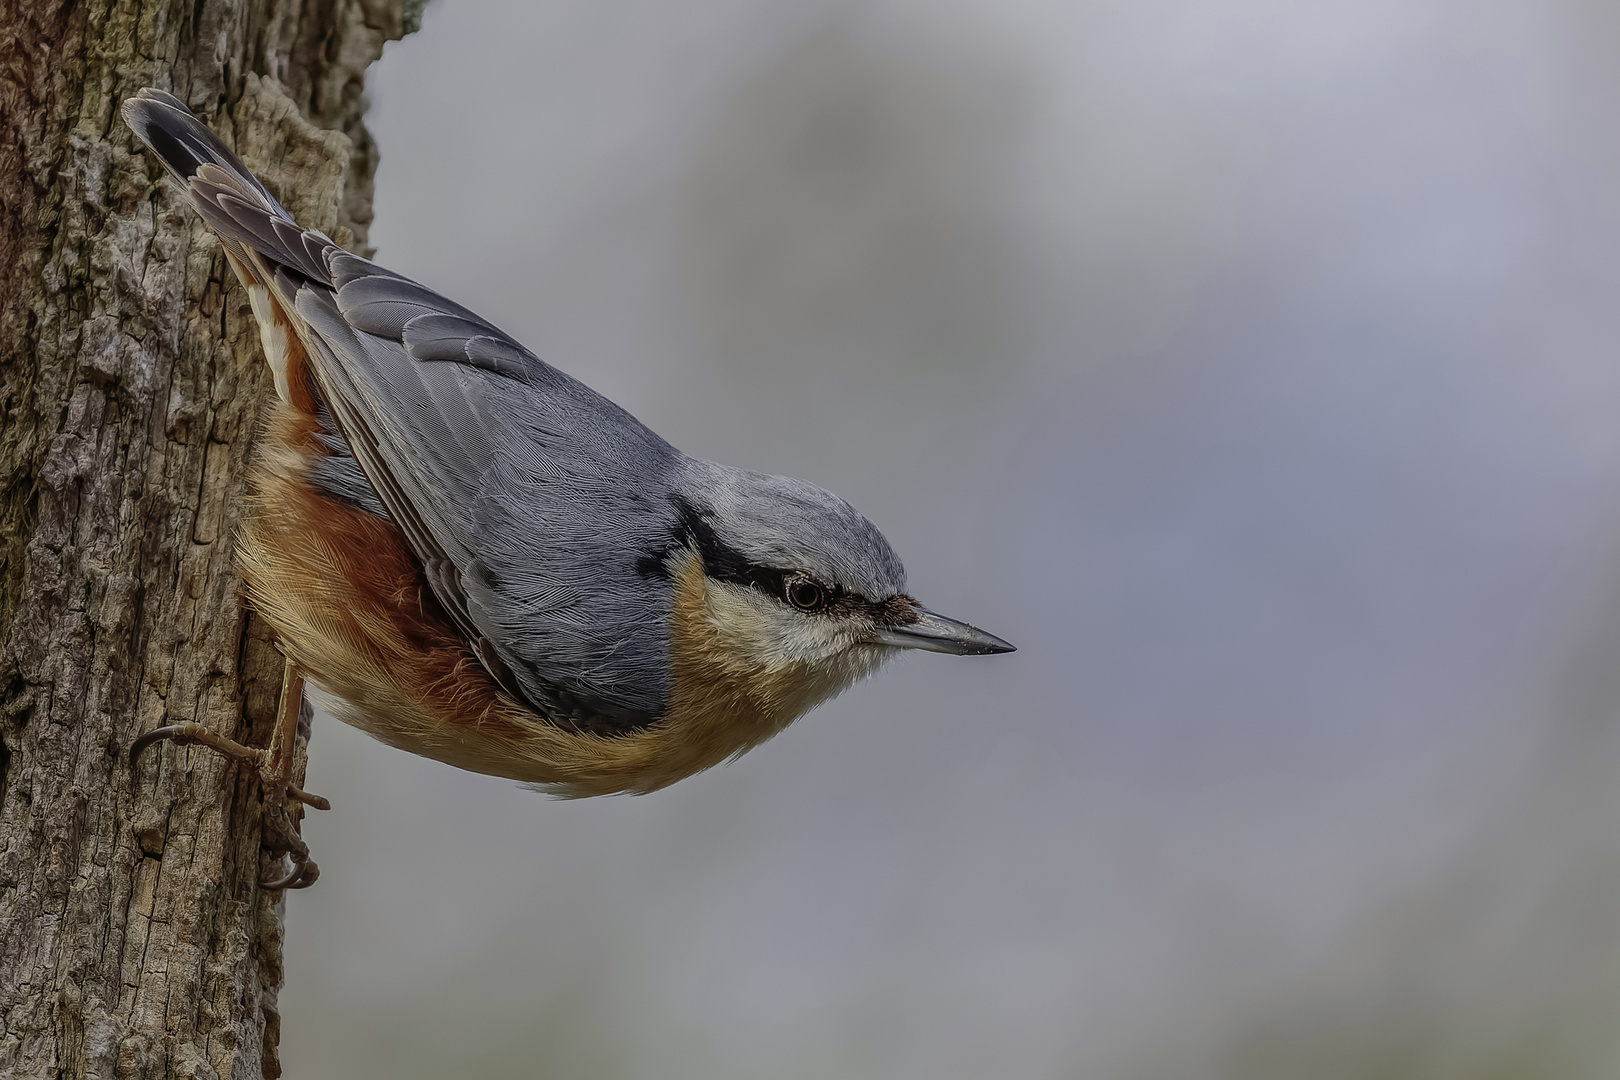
pixel 453 338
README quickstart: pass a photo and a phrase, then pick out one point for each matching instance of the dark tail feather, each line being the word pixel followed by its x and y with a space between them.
pixel 222 189
pixel 184 144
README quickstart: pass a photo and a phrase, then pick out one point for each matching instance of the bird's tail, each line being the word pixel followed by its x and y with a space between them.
pixel 226 194
pixel 265 247
pixel 184 144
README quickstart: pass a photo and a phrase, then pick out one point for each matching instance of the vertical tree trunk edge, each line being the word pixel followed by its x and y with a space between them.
pixel 135 939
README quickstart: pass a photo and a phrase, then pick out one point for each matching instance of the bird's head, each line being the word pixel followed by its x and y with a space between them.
pixel 799 588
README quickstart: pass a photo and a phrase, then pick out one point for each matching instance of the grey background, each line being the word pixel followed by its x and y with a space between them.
pixel 1252 366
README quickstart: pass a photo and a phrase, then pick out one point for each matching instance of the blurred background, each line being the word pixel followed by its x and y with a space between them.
pixel 1253 366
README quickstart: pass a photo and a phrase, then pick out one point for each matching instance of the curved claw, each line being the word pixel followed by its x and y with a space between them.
pixel 170 731
pixel 293 875
pixel 191 733
pixel 310 875
pixel 303 874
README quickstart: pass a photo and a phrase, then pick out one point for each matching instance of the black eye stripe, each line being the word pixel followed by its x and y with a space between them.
pixel 721 561
pixel 724 563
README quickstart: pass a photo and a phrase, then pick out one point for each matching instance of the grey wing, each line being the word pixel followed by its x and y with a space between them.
pixel 531 500
pixel 533 503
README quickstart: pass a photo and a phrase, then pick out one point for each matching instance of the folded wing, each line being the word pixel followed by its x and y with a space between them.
pixel 529 498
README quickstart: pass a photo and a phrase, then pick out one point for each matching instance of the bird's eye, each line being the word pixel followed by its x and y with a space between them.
pixel 805 594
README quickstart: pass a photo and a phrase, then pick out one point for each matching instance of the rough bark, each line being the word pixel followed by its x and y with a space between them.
pixel 135 939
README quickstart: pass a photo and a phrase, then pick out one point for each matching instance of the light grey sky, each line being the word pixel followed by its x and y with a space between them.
pixel 1252 366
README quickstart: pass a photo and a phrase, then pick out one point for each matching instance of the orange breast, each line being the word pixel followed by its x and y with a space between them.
pixel 350 604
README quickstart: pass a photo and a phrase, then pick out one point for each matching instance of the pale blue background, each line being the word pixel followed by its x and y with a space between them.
pixel 1253 366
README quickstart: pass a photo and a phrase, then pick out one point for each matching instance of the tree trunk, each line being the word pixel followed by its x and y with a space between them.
pixel 135 939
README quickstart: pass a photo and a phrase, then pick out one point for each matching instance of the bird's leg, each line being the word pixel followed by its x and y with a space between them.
pixel 277 770
pixel 281 830
pixel 275 767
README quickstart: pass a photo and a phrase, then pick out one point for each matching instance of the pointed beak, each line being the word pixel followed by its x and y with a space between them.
pixel 936 633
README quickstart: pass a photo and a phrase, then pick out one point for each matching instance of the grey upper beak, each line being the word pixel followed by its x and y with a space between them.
pixel 936 633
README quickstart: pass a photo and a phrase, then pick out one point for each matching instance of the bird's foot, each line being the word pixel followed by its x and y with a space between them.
pixel 284 800
pixel 194 734
pixel 281 839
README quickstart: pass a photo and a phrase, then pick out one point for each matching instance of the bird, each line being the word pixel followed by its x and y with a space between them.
pixel 472 556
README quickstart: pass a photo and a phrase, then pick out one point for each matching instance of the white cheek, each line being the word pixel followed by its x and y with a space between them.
pixel 752 625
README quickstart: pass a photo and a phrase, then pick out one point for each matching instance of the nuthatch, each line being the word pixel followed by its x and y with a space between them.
pixel 476 558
